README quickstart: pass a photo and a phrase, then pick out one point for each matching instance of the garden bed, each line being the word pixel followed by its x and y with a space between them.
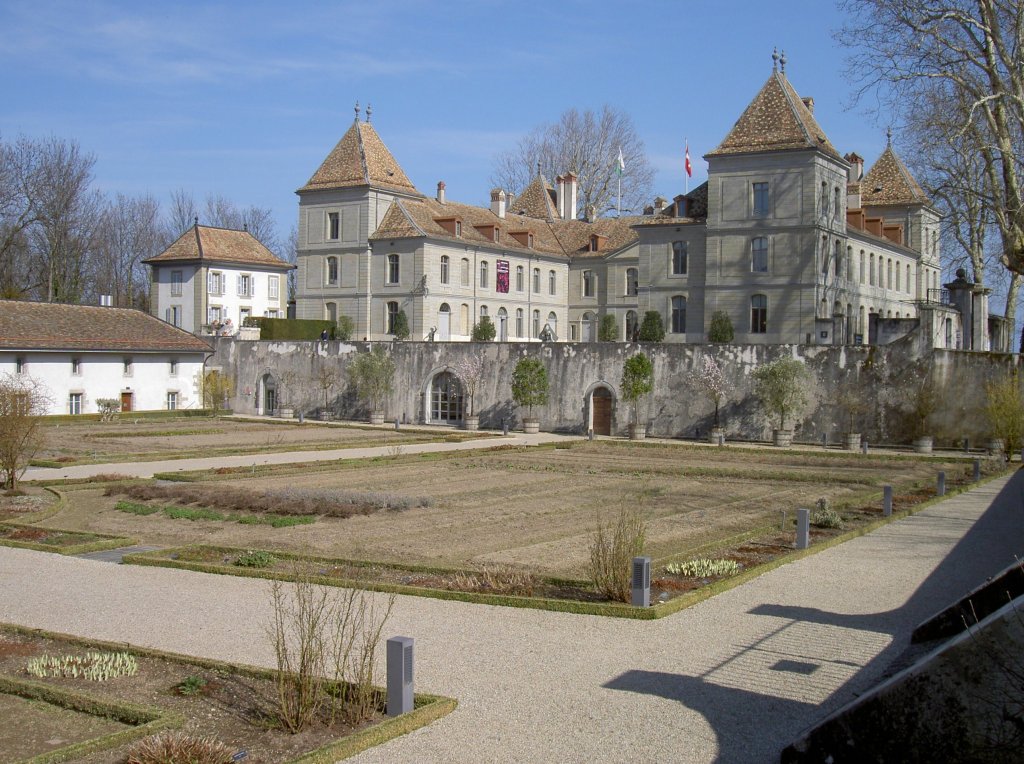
pixel 56 540
pixel 230 703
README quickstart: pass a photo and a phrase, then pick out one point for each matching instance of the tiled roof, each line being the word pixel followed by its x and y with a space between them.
pixel 51 326
pixel 360 159
pixel 535 200
pixel 776 120
pixel 222 245
pixel 890 182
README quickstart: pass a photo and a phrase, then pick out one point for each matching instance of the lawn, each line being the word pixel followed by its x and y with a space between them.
pixel 532 508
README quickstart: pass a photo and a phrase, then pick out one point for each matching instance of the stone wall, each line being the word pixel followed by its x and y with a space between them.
pixel 885 379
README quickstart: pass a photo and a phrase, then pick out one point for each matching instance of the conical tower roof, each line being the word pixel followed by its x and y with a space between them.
pixel 360 159
pixel 890 182
pixel 776 120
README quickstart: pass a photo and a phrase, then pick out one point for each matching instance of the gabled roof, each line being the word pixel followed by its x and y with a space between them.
pixel 360 158
pixel 535 201
pixel 221 245
pixel 890 182
pixel 776 120
pixel 51 326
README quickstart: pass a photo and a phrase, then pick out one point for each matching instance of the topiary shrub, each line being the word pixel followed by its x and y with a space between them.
pixel 652 328
pixel 721 329
pixel 484 331
pixel 608 330
pixel 400 330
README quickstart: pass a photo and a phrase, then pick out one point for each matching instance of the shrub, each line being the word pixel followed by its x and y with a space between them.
pixel 292 328
pixel 179 748
pixel 23 401
pixel 1004 409
pixel 612 551
pixel 498 580
pixel 97 667
pixel 652 328
pixel 345 329
pixel 191 685
pixel 823 516
pixel 372 374
pixel 781 387
pixel 703 567
pixel 484 331
pixel 186 513
pixel 637 381
pixel 529 384
pixel 136 509
pixel 720 329
pixel 255 558
pixel 608 330
pixel 400 329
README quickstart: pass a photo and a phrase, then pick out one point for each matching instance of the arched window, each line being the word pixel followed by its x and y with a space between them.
pixel 392 316
pixel 536 323
pixel 465 272
pixel 632 282
pixel 536 280
pixel 483 274
pixel 837 205
pixel 589 284
pixel 849 263
pixel 519 278
pixel 483 311
pixel 393 272
pixel 888 273
pixel 679 315
pixel 552 283
pixel 679 258
pixel 910 287
pixel 444 269
pixel 464 318
pixel 446 398
pixel 631 326
pixel 863 269
pixel 759 254
pixel 332 271
pixel 871 270
pixel 759 313
pixel 824 255
pixel 552 324
pixel 898 269
pixel 824 199
pixel 519 322
pixel 839 259
pixel 502 325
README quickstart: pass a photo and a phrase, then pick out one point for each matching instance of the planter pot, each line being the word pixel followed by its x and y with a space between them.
pixel 995 446
pixel 782 438
pixel 531 426
pixel 923 445
pixel 325 416
pixel 376 417
pixel 716 436
pixel 637 432
pixel 852 442
pixel 286 413
pixel 471 423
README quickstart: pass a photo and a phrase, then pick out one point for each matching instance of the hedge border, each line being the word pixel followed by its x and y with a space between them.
pixel 145 720
pixel 103 541
pixel 158 558
pixel 427 708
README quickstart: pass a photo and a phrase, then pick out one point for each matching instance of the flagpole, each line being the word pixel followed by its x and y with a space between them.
pixel 686 175
pixel 618 202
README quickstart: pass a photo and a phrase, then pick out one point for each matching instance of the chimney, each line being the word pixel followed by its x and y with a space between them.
pixel 106 300
pixel 440 191
pixel 856 166
pixel 659 204
pixel 567 196
pixel 809 103
pixel 498 202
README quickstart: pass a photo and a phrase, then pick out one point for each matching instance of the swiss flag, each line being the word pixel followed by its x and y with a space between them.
pixel 687 165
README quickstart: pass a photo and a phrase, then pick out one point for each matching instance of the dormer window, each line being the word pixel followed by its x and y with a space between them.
pixel 597 242
pixel 489 232
pixel 452 225
pixel 525 238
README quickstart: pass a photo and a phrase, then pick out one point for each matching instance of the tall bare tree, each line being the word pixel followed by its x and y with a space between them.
pixel 967 50
pixel 181 214
pixel 259 221
pixel 130 231
pixel 588 144
pixel 17 214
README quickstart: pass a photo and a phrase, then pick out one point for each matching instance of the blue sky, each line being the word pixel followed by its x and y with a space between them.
pixel 245 100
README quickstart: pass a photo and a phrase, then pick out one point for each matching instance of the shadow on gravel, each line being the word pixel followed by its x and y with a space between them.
pixel 745 700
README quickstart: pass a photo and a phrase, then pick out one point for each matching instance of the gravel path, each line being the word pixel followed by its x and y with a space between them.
pixel 734 678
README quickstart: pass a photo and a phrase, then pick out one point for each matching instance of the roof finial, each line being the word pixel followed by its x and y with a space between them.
pixel 782 62
pixel 775 59
pixel 888 137
pixel 357 111
pixel 197 221
pixel 369 111
pixel 538 167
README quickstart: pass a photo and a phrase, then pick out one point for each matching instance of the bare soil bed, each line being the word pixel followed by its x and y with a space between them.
pixel 126 439
pixel 233 706
pixel 536 508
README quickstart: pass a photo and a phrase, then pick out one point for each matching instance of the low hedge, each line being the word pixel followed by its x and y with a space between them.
pixel 291 328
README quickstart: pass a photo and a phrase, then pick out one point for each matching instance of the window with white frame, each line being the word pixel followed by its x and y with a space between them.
pixel 679 315
pixel 215 283
pixel 759 254
pixel 552 283
pixel 20 365
pixel 393 272
pixel 215 314
pixel 680 258
pixel 444 269
pixel 273 287
pixel 519 322
pixel 589 284
pixel 331 276
pixel 172 400
pixel 465 272
pixel 520 278
pixel 760 191
pixel 483 274
pixel 172 315
pixel 244 285
pixel 176 280
pixel 333 225
pixel 75 403
pixel 129 367
pixel 759 314
pixel 76 367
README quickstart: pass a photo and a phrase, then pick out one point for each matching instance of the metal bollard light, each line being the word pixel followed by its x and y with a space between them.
pixel 590 434
pixel 967 445
pixel 803 528
pixel 397 424
pixel 940 485
pixel 864 446
pixel 887 501
pixel 504 426
pixel 400 675
pixel 824 440
pixel 641 588
pixel 977 470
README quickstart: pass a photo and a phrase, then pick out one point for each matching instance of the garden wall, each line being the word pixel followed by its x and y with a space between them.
pixel 885 379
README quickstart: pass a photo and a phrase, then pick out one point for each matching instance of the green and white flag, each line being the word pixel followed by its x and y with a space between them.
pixel 620 165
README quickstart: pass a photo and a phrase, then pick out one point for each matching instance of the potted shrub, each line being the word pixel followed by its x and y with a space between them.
pixel 1004 410
pixel 286 381
pixel 637 381
pixel 530 388
pixel 470 371
pixel 710 380
pixel 373 374
pixel 326 378
pixel 781 386
pixel 923 400
pixel 853 406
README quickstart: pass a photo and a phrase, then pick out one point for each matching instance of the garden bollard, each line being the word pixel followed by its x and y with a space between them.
pixel 887 501
pixel 864 446
pixel 977 470
pixel 721 439
pixel 397 425
pixel 300 418
pixel 399 671
pixel 824 440
pixel 504 426
pixel 967 445
pixel 783 519
pixel 641 594
pixel 803 528
pixel 590 434
pixel 940 485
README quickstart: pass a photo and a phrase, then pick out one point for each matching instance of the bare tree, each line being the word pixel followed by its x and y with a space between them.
pixel 959 49
pixel 259 221
pixel 23 401
pixel 290 254
pixel 182 213
pixel 588 144
pixel 17 214
pixel 130 231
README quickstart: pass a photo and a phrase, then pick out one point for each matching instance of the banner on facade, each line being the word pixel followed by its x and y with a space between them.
pixel 502 278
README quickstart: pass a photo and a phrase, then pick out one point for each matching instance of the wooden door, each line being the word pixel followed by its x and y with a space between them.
pixel 601 405
pixel 126 402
